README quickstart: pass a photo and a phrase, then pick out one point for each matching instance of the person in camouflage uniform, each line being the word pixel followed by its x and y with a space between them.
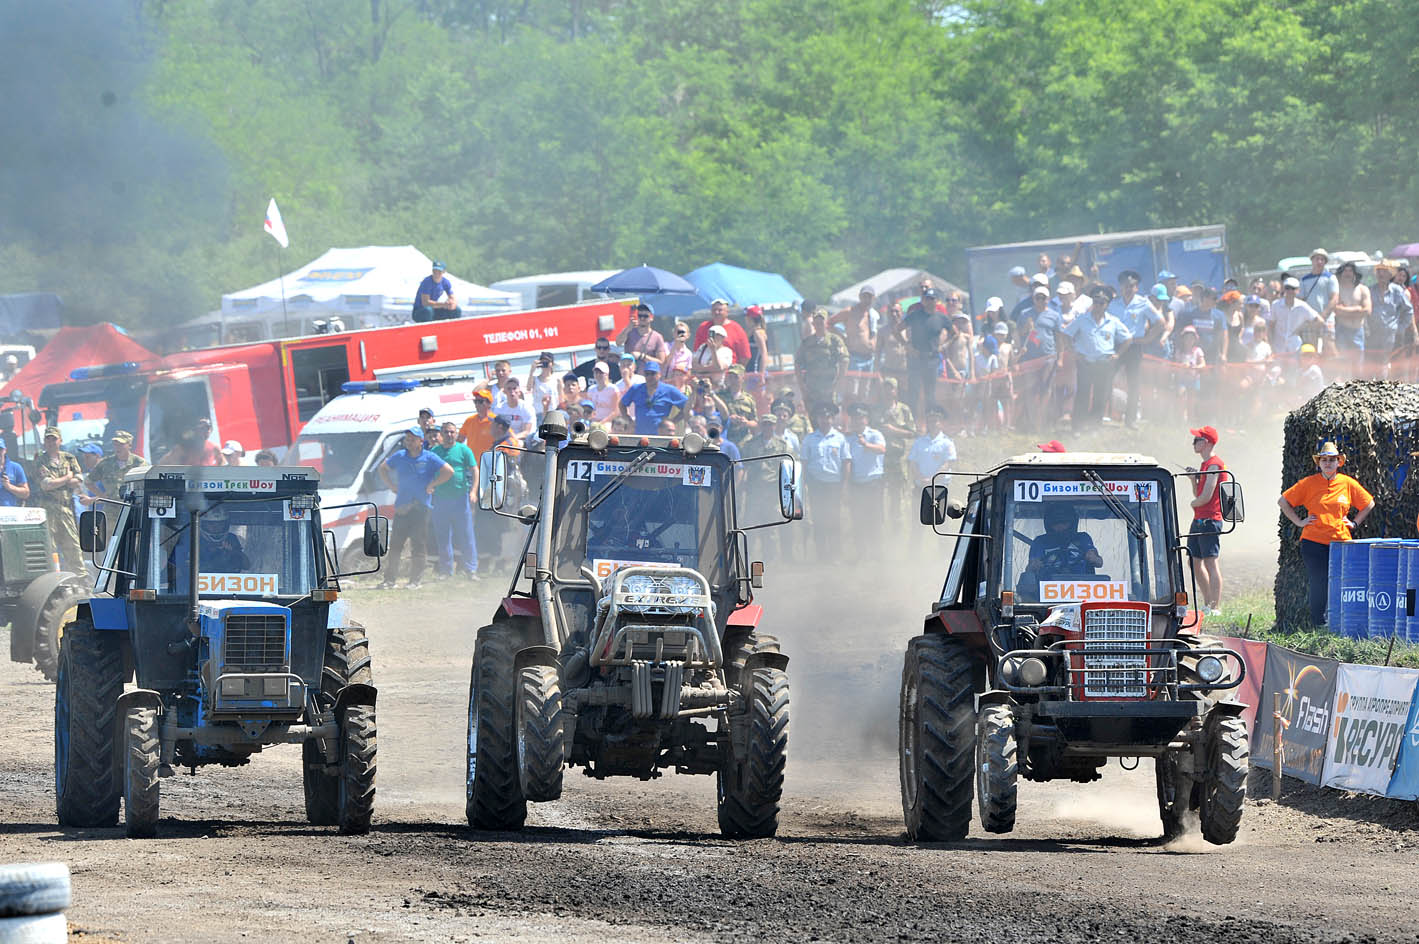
pixel 898 425
pixel 762 481
pixel 820 362
pixel 743 411
pixel 795 422
pixel 107 476
pixel 60 478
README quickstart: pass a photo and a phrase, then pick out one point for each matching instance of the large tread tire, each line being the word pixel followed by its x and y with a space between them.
pixel 737 650
pixel 90 679
pixel 1224 781
pixel 347 660
pixel 541 752
pixel 57 612
pixel 937 738
pixel 750 787
pixel 355 805
pixel 997 769
pixel 140 772
pixel 34 889
pixel 1175 790
pixel 494 789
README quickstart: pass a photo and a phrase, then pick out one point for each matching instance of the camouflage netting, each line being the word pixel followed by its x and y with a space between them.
pixel 1376 424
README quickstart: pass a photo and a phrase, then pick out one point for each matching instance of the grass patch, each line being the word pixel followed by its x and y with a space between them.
pixel 1261 607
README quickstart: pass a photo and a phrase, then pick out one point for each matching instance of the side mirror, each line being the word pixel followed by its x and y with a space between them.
pixel 497 481
pixel 485 481
pixel 1234 507
pixel 790 490
pixel 93 531
pixel 376 537
pixel 934 507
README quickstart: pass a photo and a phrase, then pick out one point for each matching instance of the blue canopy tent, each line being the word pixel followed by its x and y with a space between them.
pixel 740 287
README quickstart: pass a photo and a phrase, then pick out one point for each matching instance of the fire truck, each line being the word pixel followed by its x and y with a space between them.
pixel 261 394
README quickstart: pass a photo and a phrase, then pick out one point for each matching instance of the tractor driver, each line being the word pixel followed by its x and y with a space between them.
pixel 221 551
pixel 1062 550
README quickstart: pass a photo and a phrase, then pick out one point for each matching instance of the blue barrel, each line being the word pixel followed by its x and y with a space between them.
pixel 1383 586
pixel 1332 589
pixel 1354 588
pixel 1409 625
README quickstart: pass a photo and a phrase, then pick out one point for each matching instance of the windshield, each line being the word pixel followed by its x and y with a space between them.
pixel 666 513
pixel 259 548
pixel 1064 544
pixel 338 457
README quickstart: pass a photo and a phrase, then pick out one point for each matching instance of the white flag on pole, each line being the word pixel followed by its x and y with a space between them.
pixel 274 226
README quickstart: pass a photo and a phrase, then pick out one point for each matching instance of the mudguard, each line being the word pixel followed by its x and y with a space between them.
pixel 746 617
pixel 534 655
pixel 520 607
pixel 27 610
pixel 764 660
pixel 356 693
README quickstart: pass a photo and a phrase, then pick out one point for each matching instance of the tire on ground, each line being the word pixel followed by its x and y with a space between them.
pixel 355 805
pixel 540 731
pixel 1224 781
pixel 53 616
pixel 140 772
pixel 997 769
pixel 347 661
pixel 1175 792
pixel 494 789
pixel 937 728
pixel 90 679
pixel 37 888
pixel 750 787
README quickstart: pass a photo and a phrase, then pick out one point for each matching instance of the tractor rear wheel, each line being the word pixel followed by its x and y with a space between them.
pixel 355 804
pixel 347 661
pixel 494 789
pixel 997 768
pixel 1224 781
pixel 540 730
pixel 1175 790
pixel 90 679
pixel 937 726
pixel 58 611
pixel 140 773
pixel 751 786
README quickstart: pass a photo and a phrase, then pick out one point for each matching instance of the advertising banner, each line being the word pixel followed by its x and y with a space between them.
pixel 1307 688
pixel 1367 726
pixel 1404 785
pixel 1249 692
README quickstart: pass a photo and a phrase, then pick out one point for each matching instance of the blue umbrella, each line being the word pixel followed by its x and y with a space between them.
pixel 644 280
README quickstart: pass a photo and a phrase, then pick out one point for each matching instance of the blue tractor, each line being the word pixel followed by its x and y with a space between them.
pixel 218 593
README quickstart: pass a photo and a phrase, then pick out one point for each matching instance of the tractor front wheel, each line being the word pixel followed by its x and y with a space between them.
pixel 494 788
pixel 1224 780
pixel 355 805
pixel 347 661
pixel 140 773
pixel 937 726
pixel 1175 789
pixel 750 786
pixel 540 731
pixel 997 769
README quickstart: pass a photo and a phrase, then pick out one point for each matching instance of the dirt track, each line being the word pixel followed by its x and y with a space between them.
pixel 622 860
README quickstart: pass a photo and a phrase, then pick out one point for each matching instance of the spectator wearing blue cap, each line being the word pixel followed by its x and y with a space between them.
pixel 652 401
pixel 1021 283
pixel 434 300
pixel 414 473
pixel 640 339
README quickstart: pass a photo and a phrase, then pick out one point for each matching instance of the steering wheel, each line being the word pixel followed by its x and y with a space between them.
pixel 1069 557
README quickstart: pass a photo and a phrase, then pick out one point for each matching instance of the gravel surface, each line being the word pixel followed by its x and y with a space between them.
pixel 629 861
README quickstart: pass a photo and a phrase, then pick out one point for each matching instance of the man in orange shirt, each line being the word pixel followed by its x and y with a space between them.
pixel 1327 497
pixel 477 430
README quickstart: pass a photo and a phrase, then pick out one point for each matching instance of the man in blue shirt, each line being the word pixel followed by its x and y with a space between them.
pixel 1146 325
pixel 414 473
pixel 933 450
pixel 14 487
pixel 652 401
pixel 825 454
pixel 1097 338
pixel 434 299
pixel 867 451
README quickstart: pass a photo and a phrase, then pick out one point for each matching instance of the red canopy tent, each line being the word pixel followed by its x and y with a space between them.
pixel 75 347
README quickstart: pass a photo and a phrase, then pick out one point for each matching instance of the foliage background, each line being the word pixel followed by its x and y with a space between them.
pixel 824 139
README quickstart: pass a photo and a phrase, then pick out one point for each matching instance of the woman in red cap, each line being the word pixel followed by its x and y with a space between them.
pixel 1204 547
pixel 1327 497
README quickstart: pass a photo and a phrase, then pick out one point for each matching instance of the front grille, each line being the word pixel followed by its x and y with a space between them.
pixel 1115 676
pixel 37 558
pixel 254 642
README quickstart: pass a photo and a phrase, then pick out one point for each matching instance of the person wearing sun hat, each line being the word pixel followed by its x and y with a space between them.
pixel 1318 286
pixel 1328 496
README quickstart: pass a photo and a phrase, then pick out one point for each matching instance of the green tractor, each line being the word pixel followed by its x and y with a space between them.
pixel 36 599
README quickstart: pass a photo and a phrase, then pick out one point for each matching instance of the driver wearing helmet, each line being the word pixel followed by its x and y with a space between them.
pixel 1063 550
pixel 221 550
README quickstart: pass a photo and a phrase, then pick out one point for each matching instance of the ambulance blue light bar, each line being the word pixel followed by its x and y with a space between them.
pixel 94 371
pixel 378 386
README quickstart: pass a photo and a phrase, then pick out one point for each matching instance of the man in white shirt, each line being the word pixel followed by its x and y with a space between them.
pixel 517 411
pixel 541 384
pixel 1287 314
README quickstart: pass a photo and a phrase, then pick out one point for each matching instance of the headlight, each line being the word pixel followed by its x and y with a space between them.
pixel 1209 669
pixel 653 591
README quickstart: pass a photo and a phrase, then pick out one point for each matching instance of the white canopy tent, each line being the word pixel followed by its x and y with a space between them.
pixel 366 286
